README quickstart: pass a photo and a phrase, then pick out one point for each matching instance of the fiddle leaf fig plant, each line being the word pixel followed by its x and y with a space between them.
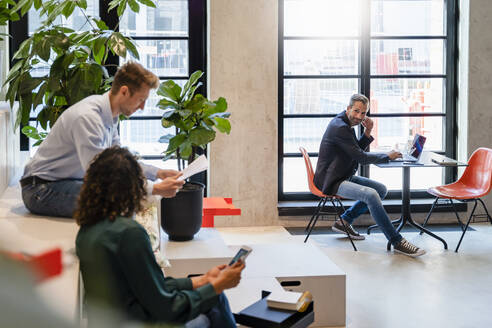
pixel 195 117
pixel 58 66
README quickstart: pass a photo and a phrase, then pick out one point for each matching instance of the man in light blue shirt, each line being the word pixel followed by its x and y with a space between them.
pixel 53 177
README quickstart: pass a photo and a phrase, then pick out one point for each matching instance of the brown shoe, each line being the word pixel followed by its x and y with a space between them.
pixel 348 230
pixel 406 248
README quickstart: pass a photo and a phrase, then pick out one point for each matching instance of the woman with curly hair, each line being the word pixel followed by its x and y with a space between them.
pixel 118 266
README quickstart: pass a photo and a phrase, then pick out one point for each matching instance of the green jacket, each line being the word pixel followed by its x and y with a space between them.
pixel 119 270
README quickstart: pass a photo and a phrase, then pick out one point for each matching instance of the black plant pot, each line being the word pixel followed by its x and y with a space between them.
pixel 181 216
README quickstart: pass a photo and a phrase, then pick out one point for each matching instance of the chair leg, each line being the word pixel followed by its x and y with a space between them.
pixel 429 214
pixel 457 216
pixel 485 208
pixel 315 218
pixel 394 222
pixel 466 227
pixel 341 220
pixel 316 211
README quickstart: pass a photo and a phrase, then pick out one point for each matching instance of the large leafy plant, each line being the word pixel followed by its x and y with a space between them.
pixel 58 66
pixel 195 117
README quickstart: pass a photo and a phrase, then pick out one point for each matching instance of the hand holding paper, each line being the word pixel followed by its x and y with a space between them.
pixel 198 165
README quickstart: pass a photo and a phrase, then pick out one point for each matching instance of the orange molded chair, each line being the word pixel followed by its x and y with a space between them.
pixel 476 182
pixel 321 209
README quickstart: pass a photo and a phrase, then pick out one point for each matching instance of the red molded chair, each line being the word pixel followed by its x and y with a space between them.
pixel 476 182
pixel 320 209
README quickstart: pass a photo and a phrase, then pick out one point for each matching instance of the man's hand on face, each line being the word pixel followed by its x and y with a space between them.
pixel 394 155
pixel 168 187
pixel 368 124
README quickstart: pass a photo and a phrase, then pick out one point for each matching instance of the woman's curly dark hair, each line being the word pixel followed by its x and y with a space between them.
pixel 113 186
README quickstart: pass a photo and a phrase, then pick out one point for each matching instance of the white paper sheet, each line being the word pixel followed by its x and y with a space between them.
pixel 198 165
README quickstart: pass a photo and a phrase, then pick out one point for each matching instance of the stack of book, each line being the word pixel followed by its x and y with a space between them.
pixel 286 300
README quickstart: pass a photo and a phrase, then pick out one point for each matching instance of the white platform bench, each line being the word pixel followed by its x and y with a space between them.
pixel 298 266
pixel 21 231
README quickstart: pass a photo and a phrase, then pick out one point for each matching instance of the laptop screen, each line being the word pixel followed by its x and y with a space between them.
pixel 417 146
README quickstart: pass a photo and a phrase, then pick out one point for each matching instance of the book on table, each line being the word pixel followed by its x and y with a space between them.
pixel 287 300
pixel 442 160
pixel 259 314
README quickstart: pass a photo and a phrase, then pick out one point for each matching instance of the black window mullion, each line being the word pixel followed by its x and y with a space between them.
pixel 112 21
pixel 409 76
pixel 197 44
pixel 365 63
pixel 19 32
pixel 158 37
pixel 408 37
pixel 280 157
pixel 451 60
pixel 322 76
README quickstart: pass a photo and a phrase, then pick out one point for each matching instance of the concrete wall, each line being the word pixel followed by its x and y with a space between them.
pixel 243 68
pixel 479 77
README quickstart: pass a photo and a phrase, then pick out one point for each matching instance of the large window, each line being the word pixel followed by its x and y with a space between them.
pixel 162 37
pixel 399 53
pixel 171 42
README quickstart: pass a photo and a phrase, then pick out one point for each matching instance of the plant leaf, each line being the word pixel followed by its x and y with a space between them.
pixel 24 48
pixel 221 115
pixel 201 136
pixel 166 123
pixel 121 8
pixel 100 24
pixel 166 138
pixel 168 113
pixel 170 90
pixel 175 142
pixel 166 104
pixel 134 6
pixel 196 104
pixel 68 9
pixel 44 49
pixel 220 105
pixel 82 4
pixel 117 44
pixel 131 47
pixel 185 149
pixel 223 125
pixel 191 82
pixel 40 94
pixel 148 3
pixel 99 49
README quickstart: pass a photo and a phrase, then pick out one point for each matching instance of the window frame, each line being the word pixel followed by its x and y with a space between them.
pixel 364 77
pixel 197 46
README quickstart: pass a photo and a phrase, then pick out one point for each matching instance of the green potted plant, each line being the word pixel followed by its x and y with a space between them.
pixel 196 120
pixel 58 66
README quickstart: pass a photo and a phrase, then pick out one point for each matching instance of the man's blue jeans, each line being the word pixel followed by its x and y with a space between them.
pixel 368 194
pixel 58 198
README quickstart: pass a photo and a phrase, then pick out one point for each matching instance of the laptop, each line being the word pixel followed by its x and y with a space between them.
pixel 413 154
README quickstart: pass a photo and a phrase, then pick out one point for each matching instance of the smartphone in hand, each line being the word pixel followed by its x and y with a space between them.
pixel 241 254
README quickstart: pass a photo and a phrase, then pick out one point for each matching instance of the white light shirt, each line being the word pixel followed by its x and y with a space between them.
pixel 80 133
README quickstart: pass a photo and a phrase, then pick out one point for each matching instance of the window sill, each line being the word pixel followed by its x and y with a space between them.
pixel 301 208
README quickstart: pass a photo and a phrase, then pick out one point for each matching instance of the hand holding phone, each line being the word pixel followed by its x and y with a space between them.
pixel 241 254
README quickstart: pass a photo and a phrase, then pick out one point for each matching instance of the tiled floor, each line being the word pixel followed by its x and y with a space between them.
pixel 439 289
